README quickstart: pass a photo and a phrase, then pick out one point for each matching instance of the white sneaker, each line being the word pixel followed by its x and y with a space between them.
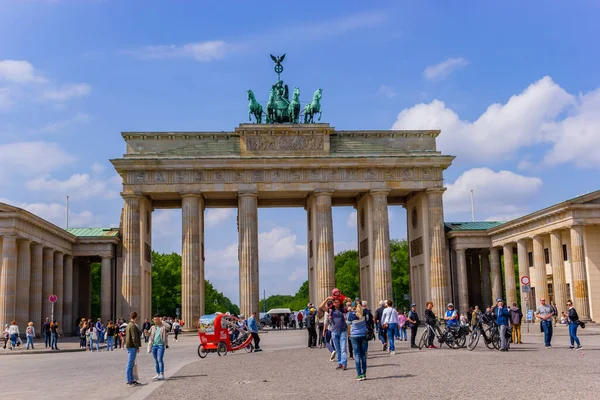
pixel 579 348
pixel 155 377
pixel 332 358
pixel 392 352
pixel 161 377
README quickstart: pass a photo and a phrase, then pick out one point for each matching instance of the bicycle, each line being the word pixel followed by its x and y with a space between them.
pixel 491 335
pixel 447 337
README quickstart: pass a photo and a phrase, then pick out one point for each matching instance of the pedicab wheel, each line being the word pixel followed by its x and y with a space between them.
pixel 423 340
pixel 222 349
pixel 249 348
pixel 201 352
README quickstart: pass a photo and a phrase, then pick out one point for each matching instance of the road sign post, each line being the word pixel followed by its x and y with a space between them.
pixel 52 299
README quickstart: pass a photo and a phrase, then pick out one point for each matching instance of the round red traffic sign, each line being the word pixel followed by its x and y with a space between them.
pixel 52 298
pixel 525 280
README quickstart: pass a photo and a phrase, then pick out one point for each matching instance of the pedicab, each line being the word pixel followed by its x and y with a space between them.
pixel 222 333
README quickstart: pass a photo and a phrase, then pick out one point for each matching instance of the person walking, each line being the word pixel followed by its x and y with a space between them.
pixel 516 316
pixel 94 338
pixel 133 344
pixel 320 327
pixel 402 326
pixel 389 321
pixel 339 333
pixel 327 334
pixel 13 333
pixel 253 328
pixel 381 333
pixel 545 314
pixel 573 320
pixel 413 322
pixel 46 332
pixel 369 319
pixel 54 335
pixel 110 336
pixel 430 320
pixel 358 337
pixel 502 314
pixel 176 328
pixel 310 327
pixel 159 341
pixel 30 335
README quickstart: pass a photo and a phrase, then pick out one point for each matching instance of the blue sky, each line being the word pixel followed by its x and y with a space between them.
pixel 513 85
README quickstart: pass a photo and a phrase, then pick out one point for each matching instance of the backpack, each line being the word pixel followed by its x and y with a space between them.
pixel 514 317
pixel 29 330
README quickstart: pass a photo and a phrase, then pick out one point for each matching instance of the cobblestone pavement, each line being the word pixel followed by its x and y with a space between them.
pixel 287 368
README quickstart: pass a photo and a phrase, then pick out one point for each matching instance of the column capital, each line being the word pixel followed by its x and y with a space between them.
pixel 522 241
pixel 102 257
pixel 191 194
pixel 435 190
pixel 379 192
pixel 460 249
pixel 9 237
pixel 323 192
pixel 136 196
pixel 248 192
pixel 24 240
pixel 485 251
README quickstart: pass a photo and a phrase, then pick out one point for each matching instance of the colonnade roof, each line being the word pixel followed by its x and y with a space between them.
pixel 471 226
pixel 94 232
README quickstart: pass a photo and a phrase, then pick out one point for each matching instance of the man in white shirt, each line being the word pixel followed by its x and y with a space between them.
pixel 389 321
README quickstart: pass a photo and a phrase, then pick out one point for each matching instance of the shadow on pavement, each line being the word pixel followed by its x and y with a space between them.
pixel 391 377
pixel 180 377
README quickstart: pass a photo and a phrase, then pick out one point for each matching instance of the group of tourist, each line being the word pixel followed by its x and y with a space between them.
pixel 50 332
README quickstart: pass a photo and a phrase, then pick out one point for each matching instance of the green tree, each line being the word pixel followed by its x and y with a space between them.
pixel 295 303
pixel 347 277
pixel 400 272
pixel 96 288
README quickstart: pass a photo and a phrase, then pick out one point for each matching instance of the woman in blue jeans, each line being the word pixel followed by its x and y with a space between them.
pixel 573 325
pixel 358 337
pixel 54 335
pixel 159 341
pixel 389 320
pixel 339 332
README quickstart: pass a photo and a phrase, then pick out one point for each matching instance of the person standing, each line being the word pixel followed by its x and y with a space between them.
pixel 502 314
pixel 100 330
pixel 13 332
pixel 159 341
pixel 573 320
pixel 545 314
pixel 253 328
pixel 146 329
pixel 430 320
pixel 413 322
pixel 338 330
pixel 94 338
pixel 320 326
pixel 30 335
pixel 381 333
pixel 402 326
pixel 516 316
pixel 310 327
pixel 54 335
pixel 555 311
pixel 46 332
pixel 389 321
pixel 358 332
pixel 133 344
pixel 110 335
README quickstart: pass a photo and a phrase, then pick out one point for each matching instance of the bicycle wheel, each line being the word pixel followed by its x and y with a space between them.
pixel 249 348
pixel 473 339
pixel 423 340
pixel 461 341
pixel 201 352
pixel 496 340
pixel 222 349
pixel 488 335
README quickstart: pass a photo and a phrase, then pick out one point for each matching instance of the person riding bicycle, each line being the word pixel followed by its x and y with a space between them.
pixel 431 320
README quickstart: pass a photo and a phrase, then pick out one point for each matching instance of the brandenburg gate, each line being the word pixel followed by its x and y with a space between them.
pixel 277 165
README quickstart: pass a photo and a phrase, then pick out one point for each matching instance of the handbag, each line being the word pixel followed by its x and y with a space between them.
pixel 581 324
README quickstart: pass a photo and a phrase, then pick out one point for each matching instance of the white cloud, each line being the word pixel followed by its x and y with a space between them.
pixel 97 168
pixel 6 101
pixel 200 51
pixel 525 120
pixel 299 274
pixel 351 221
pixel 445 68
pixel 499 194
pixel 78 186
pixel 56 213
pixel 66 92
pixel 30 158
pixel 387 91
pixel 215 216
pixel 80 118
pixel 17 71
pixel 279 244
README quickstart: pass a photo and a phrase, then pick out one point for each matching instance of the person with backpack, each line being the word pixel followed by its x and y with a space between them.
pixel 46 332
pixel 311 328
pixel 573 325
pixel 30 334
pixel 516 316
pixel 413 324
pixel 370 320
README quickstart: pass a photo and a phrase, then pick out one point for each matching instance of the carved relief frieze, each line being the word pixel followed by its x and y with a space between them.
pixel 139 177
pixel 284 143
pixel 180 177
pixel 160 177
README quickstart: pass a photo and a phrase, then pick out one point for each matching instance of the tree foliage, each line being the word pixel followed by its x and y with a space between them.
pixel 295 303
pixel 400 272
pixel 96 288
pixel 346 273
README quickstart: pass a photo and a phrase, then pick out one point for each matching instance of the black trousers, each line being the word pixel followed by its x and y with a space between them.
pixel 413 335
pixel 321 338
pixel 350 349
pixel 256 339
pixel 430 338
pixel 312 337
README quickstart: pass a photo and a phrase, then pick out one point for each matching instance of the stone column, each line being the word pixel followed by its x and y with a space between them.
pixel 68 324
pixel 476 298
pixel 191 259
pixel 523 271
pixel 106 288
pixel 132 269
pixel 486 276
pixel 58 287
pixel 463 284
pixel 509 275
pixel 382 265
pixel 23 278
pixel 580 284
pixel 496 275
pixel 540 280
pixel 48 281
pixel 8 280
pixel 437 243
pixel 248 251
pixel 324 245
pixel 559 279
pixel 35 287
